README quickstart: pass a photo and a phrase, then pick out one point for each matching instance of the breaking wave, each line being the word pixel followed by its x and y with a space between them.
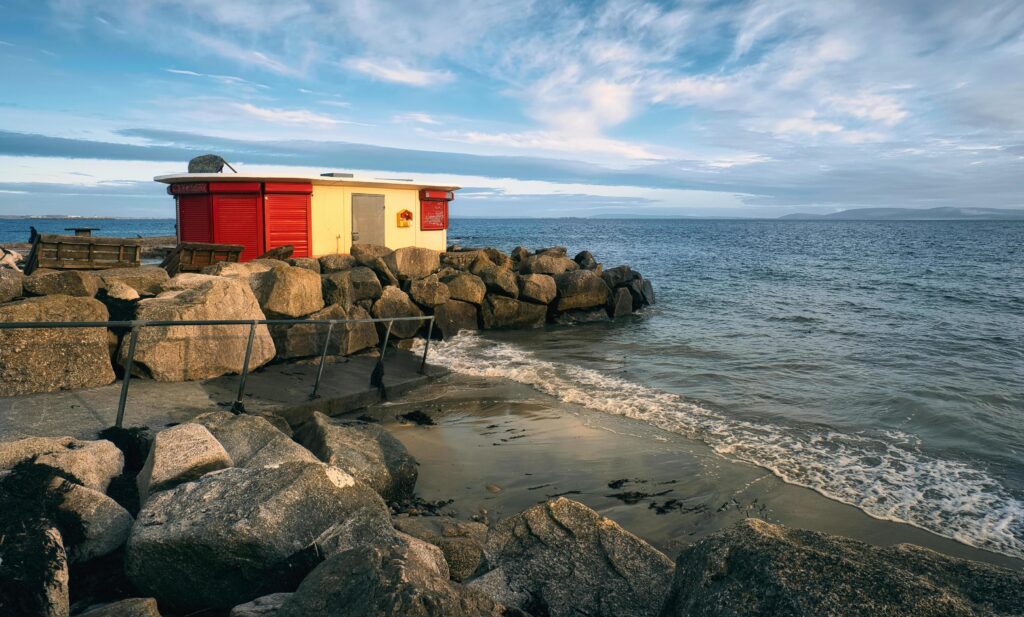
pixel 888 477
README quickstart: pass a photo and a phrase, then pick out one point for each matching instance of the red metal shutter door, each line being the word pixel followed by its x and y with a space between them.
pixel 287 214
pixel 194 218
pixel 237 220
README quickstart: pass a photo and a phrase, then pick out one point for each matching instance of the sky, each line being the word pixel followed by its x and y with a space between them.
pixel 754 108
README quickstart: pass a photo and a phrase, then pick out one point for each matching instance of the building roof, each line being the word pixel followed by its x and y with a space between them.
pixel 383 183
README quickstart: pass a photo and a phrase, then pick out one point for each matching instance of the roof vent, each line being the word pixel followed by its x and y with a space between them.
pixel 336 174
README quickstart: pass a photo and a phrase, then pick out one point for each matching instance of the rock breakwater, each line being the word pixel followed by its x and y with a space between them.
pixel 463 289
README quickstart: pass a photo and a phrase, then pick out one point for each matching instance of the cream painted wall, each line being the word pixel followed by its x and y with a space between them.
pixel 332 219
pixel 332 225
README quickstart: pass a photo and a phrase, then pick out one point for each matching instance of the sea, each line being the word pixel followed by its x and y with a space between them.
pixel 880 364
pixel 18 229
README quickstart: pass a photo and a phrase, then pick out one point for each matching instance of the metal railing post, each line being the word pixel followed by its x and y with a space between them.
pixel 323 359
pixel 377 377
pixel 136 326
pixel 237 407
pixel 426 346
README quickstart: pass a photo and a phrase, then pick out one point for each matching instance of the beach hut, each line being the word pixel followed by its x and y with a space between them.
pixel 318 215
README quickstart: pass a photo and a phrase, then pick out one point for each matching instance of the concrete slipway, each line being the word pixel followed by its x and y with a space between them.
pixel 280 389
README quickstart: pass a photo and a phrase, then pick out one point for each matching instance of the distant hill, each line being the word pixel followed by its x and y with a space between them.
pixel 914 214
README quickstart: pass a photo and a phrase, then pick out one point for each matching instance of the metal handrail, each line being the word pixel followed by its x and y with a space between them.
pixel 237 406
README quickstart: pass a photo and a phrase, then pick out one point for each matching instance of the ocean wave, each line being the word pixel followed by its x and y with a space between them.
pixel 887 477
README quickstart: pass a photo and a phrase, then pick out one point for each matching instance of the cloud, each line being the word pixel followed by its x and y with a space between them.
pixel 398 72
pixel 229 80
pixel 287 116
pixel 885 109
pixel 805 125
pixel 416 117
pixel 554 142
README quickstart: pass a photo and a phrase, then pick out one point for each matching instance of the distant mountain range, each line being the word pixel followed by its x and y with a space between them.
pixel 914 214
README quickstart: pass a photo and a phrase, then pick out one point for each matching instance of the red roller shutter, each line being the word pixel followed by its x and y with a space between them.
pixel 287 216
pixel 238 219
pixel 194 218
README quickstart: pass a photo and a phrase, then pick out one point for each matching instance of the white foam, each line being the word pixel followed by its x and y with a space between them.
pixel 888 478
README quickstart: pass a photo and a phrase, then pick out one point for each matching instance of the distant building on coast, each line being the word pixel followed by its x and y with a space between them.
pixel 318 215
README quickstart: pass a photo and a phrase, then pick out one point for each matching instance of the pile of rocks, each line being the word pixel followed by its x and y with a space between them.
pixel 235 514
pixel 463 289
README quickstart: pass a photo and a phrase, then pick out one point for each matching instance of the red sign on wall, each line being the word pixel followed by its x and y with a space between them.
pixel 433 215
pixel 188 188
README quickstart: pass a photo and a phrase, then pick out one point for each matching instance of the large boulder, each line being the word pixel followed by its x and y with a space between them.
pixel 497 279
pixel 519 254
pixel 648 291
pixel 132 607
pixel 561 558
pixel 358 336
pixel 461 542
pixel 586 260
pixel 498 258
pixel 242 533
pixel 337 288
pixel 90 463
pixel 190 280
pixel 466 287
pixel 306 263
pixel 301 340
pixel 620 303
pixel 46 360
pixel 181 353
pixel 336 263
pixel 582 316
pixel 428 291
pixel 147 280
pixel 11 284
pixel 413 262
pixel 394 302
pixel 62 282
pixel 399 579
pixel 539 288
pixel 454 316
pixel 288 292
pixel 383 272
pixel 180 454
pixel 365 254
pixel 460 260
pixel 366 451
pixel 34 573
pixel 580 289
pixel 619 276
pixel 759 569
pixel 244 271
pixel 365 284
pixel 103 525
pixel 547 263
pixel 499 312
pixel 264 606
pixel 252 441
pixel 554 251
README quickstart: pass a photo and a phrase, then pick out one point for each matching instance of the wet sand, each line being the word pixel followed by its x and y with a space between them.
pixel 500 447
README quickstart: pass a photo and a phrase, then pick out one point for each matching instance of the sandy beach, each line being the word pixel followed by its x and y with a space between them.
pixel 497 447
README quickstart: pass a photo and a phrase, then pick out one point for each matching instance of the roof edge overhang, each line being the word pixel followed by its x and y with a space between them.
pixel 315 180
